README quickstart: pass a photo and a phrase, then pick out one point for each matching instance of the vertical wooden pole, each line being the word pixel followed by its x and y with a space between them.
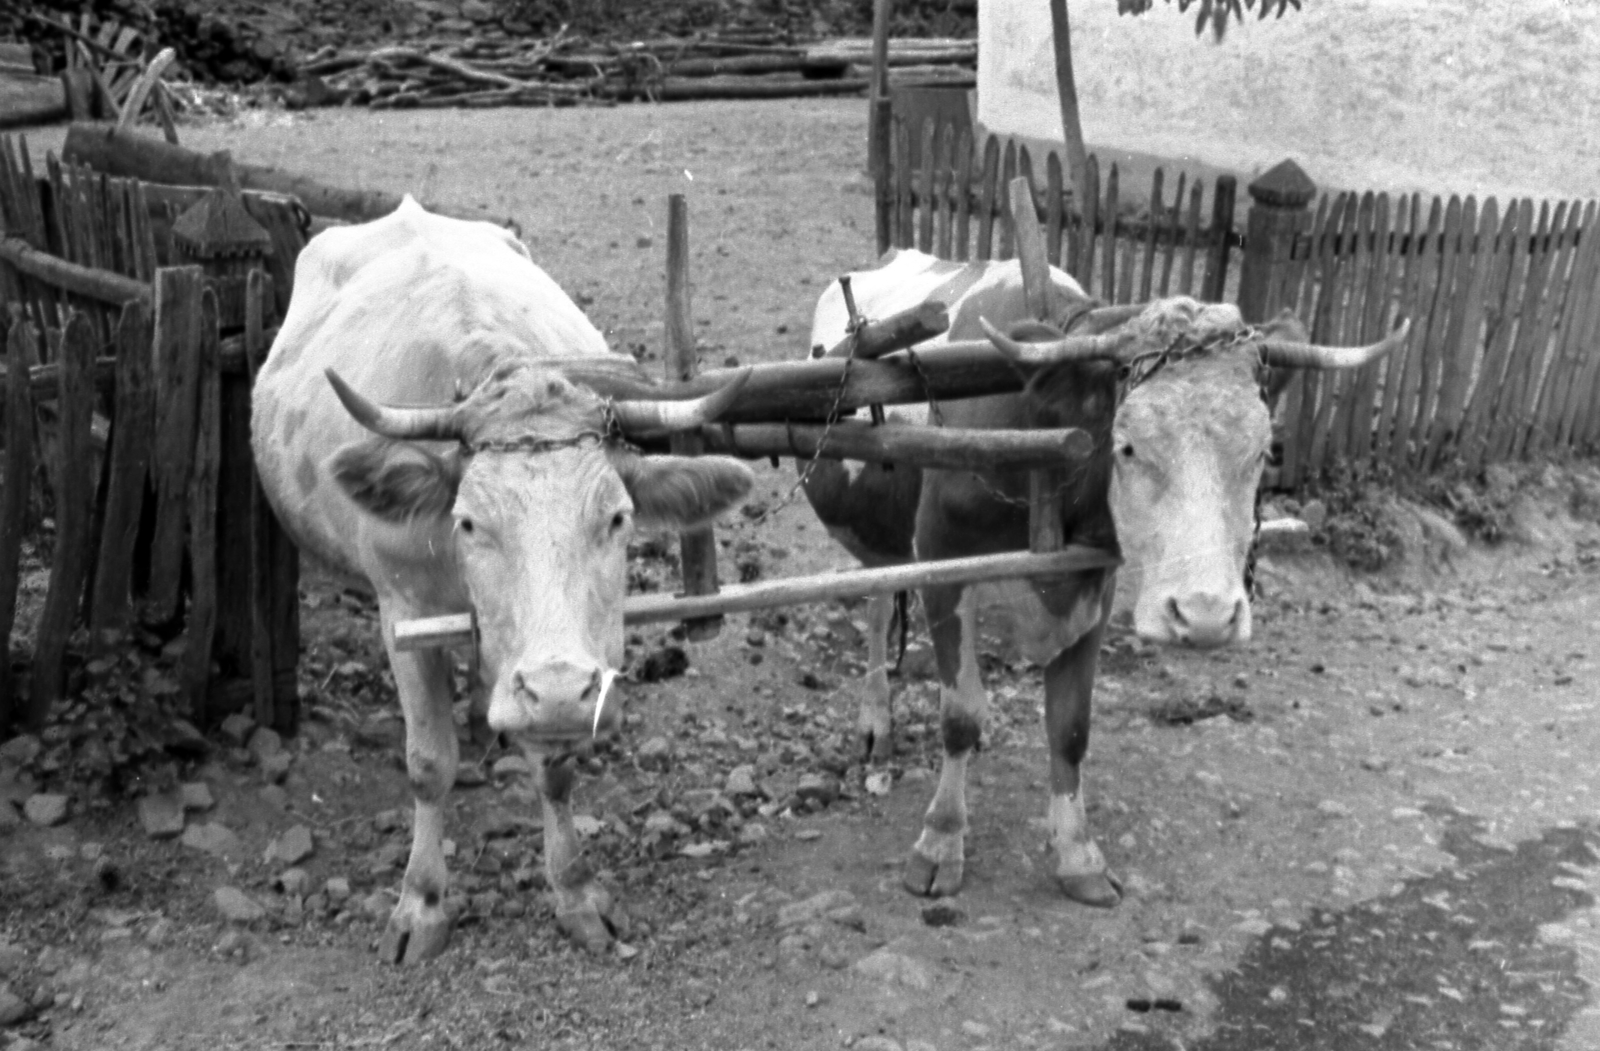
pixel 1067 92
pixel 178 333
pixel 131 433
pixel 697 548
pixel 20 354
pixel 1222 232
pixel 1044 484
pixel 879 116
pixel 74 510
pixel 203 512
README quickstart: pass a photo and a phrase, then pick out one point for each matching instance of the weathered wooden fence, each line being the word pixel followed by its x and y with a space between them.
pixel 1503 360
pixel 128 380
pixel 1122 247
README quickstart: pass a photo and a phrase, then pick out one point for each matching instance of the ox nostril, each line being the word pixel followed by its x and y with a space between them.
pixel 592 690
pixel 520 682
pixel 1238 613
pixel 1175 612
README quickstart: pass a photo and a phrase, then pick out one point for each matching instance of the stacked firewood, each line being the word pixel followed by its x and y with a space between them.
pixel 565 71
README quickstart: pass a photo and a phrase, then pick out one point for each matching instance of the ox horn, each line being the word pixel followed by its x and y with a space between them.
pixel 1104 319
pixel 421 423
pixel 643 418
pixel 1288 355
pixel 1067 348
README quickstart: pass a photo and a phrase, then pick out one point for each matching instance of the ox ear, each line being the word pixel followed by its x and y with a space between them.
pixel 397 481
pixel 679 492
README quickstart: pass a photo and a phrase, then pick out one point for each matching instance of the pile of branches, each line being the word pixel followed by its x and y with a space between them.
pixel 568 70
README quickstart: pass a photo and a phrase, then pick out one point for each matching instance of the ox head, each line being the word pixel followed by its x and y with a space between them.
pixel 1188 438
pixel 538 504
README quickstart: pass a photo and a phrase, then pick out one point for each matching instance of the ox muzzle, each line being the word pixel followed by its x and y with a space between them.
pixel 556 699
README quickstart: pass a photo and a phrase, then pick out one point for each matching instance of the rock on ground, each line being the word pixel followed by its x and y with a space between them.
pixel 291 848
pixel 46 808
pixel 161 815
pixel 236 906
pixel 895 968
pixel 211 838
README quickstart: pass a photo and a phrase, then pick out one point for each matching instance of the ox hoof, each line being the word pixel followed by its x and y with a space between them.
pixel 412 938
pixel 593 922
pixel 1102 890
pixel 927 878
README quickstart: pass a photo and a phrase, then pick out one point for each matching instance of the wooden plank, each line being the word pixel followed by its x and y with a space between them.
pixel 1109 235
pixel 1089 226
pixel 1427 260
pixel 424 633
pixel 1127 263
pixel 132 429
pixel 1172 220
pixel 1191 238
pixel 1313 383
pixel 1222 202
pixel 1374 326
pixel 1508 418
pixel 904 232
pixel 1563 237
pixel 1410 235
pixel 1430 373
pixel 1038 289
pixel 1055 211
pixel 1511 263
pixel 1325 329
pixel 826 587
pixel 963 191
pixel 986 199
pixel 263 526
pixel 100 285
pixel 1355 259
pixel 1293 399
pixel 930 160
pixel 178 339
pixel 21 352
pixel 1462 340
pixel 1008 171
pixel 945 205
pixel 697 548
pixel 202 505
pixel 1152 229
pixel 1584 344
pixel 915 445
pixel 1577 290
pixel 74 507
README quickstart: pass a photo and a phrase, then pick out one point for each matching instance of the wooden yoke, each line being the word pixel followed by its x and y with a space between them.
pixel 697 548
pixel 1044 483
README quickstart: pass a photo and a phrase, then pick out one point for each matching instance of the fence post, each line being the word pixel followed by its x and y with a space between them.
pixel 1279 205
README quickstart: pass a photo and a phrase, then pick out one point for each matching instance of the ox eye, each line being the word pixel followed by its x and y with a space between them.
pixel 1126 450
pixel 618 520
pixel 466 526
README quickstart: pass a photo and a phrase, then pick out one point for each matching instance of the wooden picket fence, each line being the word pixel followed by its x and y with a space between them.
pixel 1501 363
pixel 953 204
pixel 162 522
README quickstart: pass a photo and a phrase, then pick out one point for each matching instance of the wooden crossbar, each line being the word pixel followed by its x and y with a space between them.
pixel 457 628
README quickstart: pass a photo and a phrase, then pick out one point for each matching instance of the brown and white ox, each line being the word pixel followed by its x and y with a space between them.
pixel 499 489
pixel 1174 395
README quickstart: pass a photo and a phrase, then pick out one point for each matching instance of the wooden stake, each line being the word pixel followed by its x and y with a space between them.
pixel 178 336
pixel 132 429
pixel 74 511
pixel 1038 291
pixel 203 514
pixel 697 548
pixel 20 353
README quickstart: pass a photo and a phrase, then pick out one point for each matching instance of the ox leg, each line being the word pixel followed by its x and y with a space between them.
pixel 937 861
pixel 1068 686
pixel 419 927
pixel 582 906
pixel 875 721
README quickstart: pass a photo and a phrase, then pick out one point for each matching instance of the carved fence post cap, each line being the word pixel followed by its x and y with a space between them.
pixel 218 227
pixel 1285 185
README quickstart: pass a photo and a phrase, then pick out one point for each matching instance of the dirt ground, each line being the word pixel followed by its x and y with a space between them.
pixel 1374 827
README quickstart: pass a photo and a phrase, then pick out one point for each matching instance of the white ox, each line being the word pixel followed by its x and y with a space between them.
pixel 506 495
